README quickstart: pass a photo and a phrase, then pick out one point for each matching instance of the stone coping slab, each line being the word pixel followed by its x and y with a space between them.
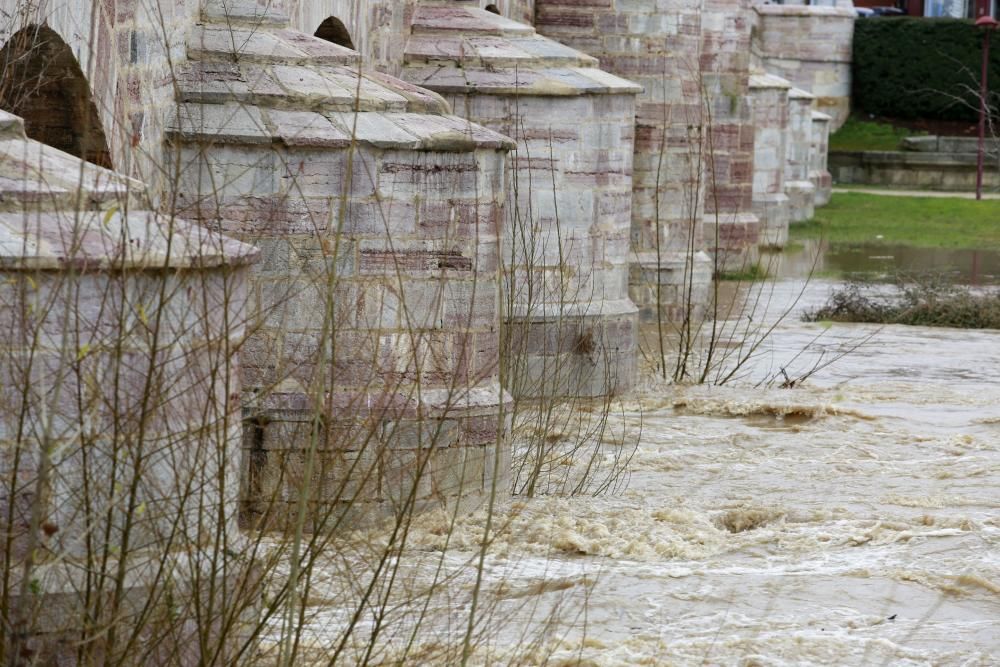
pixel 39 177
pixel 234 123
pixel 455 49
pixel 742 218
pixel 11 126
pixel 266 83
pixel 768 81
pixel 264 45
pixel 936 144
pixel 58 212
pixel 551 82
pixel 907 158
pixel 244 12
pixel 446 17
pixel 806 11
pixel 112 240
pixel 425 403
pixel 554 311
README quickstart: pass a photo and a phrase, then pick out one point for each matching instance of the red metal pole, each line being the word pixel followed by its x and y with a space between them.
pixel 987 24
pixel 982 115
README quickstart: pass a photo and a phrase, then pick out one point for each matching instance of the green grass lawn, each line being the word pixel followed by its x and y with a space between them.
pixel 923 222
pixel 866 135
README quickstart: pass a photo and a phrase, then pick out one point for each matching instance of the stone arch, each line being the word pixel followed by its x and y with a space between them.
pixel 492 8
pixel 41 81
pixel 334 30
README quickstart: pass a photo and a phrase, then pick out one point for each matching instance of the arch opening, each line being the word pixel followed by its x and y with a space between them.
pixel 334 30
pixel 492 8
pixel 41 81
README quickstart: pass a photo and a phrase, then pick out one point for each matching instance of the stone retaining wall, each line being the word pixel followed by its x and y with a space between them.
pixel 907 169
pixel 936 144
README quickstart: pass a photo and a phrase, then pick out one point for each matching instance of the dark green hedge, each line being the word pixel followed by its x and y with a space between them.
pixel 920 68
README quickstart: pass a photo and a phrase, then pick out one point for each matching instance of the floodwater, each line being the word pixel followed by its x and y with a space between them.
pixel 960 265
pixel 851 519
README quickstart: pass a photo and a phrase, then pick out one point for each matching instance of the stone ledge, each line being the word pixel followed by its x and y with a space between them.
pixel 110 240
pixel 319 87
pixel 243 12
pixel 247 44
pixel 805 11
pixel 904 158
pixel 544 82
pixel 595 309
pixel 949 145
pixel 430 403
pixel 799 94
pixel 238 124
pixel 450 18
pixel 769 81
pixel 450 53
pixel 936 171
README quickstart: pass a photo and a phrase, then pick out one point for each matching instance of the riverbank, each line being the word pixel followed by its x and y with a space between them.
pixel 919 221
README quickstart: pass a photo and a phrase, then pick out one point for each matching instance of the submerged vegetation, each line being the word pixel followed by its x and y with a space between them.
pixel 922 222
pixel 929 302
pixel 752 273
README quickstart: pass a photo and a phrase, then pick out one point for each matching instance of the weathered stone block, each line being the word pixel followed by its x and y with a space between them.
pixel 124 421
pixel 572 179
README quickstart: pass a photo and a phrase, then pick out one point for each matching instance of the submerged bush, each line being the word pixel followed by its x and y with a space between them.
pixel 929 302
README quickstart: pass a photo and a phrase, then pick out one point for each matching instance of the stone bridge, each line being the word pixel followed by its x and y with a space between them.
pixel 295 263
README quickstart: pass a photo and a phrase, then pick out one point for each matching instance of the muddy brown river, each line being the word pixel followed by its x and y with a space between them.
pixel 850 520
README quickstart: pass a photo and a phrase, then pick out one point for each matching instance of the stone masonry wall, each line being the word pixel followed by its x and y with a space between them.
pixel 375 360
pixel 769 97
pixel 810 46
pixel 378 27
pixel 693 163
pixel 571 324
pixel 567 248
pixel 518 10
pixel 819 153
pixel 120 413
pixel 657 45
pixel 800 190
pixel 380 307
pixel 125 50
pixel 732 230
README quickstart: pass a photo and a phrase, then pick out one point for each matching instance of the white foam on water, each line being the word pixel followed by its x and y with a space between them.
pixel 852 520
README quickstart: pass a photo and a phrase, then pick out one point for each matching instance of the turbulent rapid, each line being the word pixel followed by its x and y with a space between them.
pixel 851 519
